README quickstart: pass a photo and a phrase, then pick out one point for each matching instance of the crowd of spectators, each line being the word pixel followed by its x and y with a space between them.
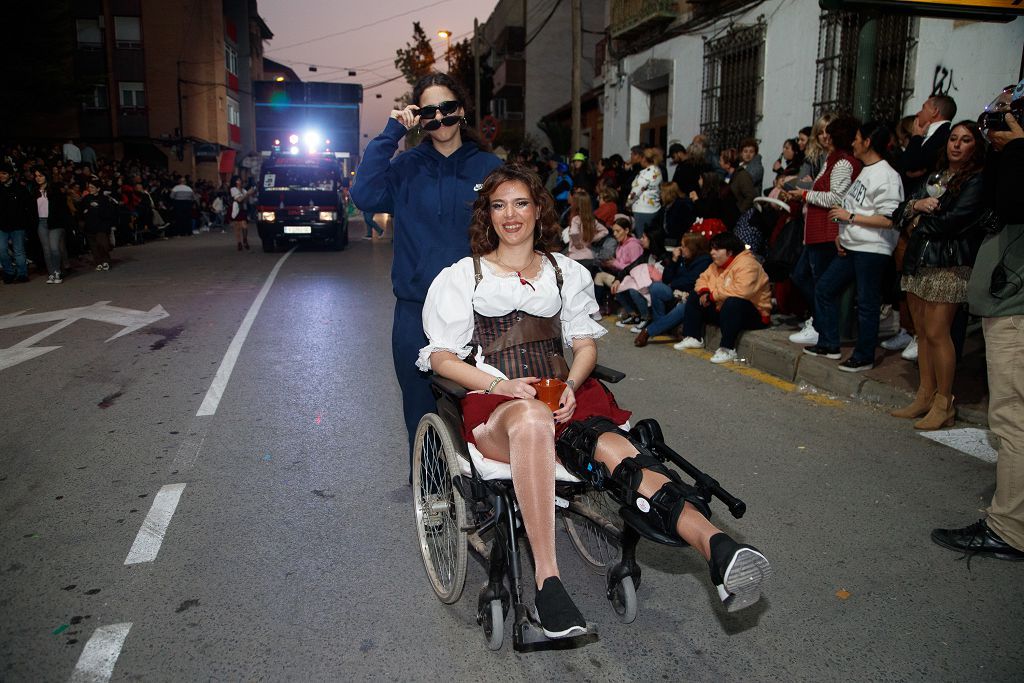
pixel 58 203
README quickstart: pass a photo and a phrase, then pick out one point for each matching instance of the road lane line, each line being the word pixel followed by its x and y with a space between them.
pixel 227 365
pixel 188 452
pixel 96 663
pixel 151 535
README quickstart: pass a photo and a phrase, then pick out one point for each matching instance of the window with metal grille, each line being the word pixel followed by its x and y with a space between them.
pixel 892 81
pixel 733 80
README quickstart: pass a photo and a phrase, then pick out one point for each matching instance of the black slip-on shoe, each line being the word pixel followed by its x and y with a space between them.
pixel 977 539
pixel 738 571
pixel 852 364
pixel 823 352
pixel 556 612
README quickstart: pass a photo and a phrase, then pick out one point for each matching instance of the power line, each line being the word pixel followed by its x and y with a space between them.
pixel 357 28
pixel 544 23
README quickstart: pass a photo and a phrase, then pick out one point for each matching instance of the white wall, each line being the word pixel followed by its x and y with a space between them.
pixel 979 59
pixel 983 57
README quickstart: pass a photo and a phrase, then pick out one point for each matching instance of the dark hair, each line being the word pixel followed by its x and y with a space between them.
pixel 749 142
pixel 806 130
pixel 946 106
pixel 656 240
pixel 675 147
pixel 976 162
pixel 842 131
pixel 636 149
pixel 482 237
pixel 728 157
pixel 879 135
pixel 728 241
pixel 445 81
pixel 696 243
pixel 235 179
pixel 712 186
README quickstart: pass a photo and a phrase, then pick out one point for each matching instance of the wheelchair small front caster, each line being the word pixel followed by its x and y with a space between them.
pixel 622 595
pixel 493 621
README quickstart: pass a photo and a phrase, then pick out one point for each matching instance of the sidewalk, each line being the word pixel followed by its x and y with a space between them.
pixel 892 382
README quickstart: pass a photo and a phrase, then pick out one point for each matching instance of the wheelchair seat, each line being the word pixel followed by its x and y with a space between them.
pixel 491 470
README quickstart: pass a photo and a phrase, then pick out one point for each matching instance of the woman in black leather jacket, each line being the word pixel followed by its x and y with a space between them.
pixel 944 236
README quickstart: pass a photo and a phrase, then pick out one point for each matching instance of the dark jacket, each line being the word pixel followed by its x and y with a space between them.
pixel 60 213
pixel 17 207
pixel 687 176
pixel 99 212
pixel 678 218
pixel 920 156
pixel 431 198
pixel 743 189
pixel 950 236
pixel 683 274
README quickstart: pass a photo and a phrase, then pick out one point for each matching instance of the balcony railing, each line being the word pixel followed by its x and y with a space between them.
pixel 632 17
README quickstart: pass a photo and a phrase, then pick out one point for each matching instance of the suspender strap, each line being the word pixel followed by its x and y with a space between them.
pixel 558 271
pixel 477 275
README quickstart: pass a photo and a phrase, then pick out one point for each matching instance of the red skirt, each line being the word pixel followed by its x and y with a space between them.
pixel 592 399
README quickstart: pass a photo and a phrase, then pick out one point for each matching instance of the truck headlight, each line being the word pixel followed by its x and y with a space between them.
pixel 327 216
pixel 268 216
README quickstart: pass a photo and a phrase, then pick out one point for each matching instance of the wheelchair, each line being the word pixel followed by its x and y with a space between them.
pixel 464 502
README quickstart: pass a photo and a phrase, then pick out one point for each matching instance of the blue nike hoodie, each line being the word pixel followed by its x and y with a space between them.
pixel 431 198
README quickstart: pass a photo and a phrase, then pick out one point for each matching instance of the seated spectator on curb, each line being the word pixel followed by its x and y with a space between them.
pixel 679 278
pixel 628 251
pixel 633 291
pixel 733 293
pixel 583 231
pixel 943 242
pixel 865 244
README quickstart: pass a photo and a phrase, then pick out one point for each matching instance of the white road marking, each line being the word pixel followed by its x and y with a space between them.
pixel 979 443
pixel 188 451
pixel 151 535
pixel 96 663
pixel 227 365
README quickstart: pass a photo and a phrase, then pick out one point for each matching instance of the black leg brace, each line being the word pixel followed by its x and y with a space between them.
pixel 576 448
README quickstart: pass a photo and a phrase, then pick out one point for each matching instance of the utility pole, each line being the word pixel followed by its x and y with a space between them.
pixel 577 60
pixel 525 38
pixel 476 72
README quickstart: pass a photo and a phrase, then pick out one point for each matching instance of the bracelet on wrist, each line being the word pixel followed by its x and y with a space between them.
pixel 494 383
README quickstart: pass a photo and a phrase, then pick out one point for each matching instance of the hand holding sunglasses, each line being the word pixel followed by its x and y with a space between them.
pixel 428 115
pixel 408 117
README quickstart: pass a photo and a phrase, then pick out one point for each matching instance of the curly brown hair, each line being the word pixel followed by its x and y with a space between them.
pixel 482 237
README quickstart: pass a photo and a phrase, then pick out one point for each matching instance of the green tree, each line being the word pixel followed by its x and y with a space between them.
pixel 462 72
pixel 417 59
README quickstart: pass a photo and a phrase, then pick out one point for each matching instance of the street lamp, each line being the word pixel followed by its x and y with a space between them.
pixel 447 35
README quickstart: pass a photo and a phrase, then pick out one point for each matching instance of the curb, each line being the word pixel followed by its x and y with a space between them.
pixel 790 363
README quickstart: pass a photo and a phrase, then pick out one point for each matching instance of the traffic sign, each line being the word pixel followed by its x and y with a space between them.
pixel 489 128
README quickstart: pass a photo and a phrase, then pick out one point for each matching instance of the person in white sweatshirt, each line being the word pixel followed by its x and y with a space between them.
pixel 866 241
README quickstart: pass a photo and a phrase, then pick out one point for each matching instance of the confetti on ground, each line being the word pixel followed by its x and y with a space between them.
pixel 802 448
pixel 266 457
pixel 60 629
pixel 842 594
pixel 318 418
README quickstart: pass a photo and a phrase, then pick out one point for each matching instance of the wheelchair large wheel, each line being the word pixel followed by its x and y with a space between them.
pixel 596 544
pixel 439 509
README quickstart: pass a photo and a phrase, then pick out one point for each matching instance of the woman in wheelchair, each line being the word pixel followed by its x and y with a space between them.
pixel 505 310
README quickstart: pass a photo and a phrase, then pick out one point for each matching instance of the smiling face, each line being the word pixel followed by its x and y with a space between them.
pixel 802 141
pixel 435 95
pixel 960 146
pixel 514 213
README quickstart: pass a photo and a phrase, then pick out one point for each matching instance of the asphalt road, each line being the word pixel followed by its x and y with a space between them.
pixel 290 554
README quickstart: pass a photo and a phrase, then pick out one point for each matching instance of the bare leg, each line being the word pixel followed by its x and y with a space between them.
pixel 926 370
pixel 238 225
pixel 692 526
pixel 522 433
pixel 936 325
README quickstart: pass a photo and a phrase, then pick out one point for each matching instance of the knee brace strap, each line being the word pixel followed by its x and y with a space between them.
pixel 665 506
pixel 576 447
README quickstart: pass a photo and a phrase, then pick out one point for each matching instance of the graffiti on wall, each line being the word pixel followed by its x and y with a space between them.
pixel 942 81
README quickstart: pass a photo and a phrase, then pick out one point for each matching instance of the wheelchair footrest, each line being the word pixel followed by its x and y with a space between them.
pixel 639 523
pixel 528 636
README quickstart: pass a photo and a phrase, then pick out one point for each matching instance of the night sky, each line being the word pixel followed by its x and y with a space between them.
pixel 369 51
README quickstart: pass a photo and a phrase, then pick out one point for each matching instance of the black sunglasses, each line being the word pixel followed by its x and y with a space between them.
pixel 430 111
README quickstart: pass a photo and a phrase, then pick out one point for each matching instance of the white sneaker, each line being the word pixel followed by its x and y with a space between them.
pixel 888 321
pixel 689 343
pixel 910 353
pixel 57 279
pixel 49 280
pixel 897 343
pixel 724 355
pixel 597 316
pixel 806 335
pixel 636 329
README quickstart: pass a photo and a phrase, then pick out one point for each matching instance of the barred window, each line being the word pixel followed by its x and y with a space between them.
pixel 733 83
pixel 892 81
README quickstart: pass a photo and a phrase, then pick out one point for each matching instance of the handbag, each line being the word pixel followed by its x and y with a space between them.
pixel 784 251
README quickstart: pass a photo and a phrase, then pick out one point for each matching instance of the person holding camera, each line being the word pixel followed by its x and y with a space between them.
pixel 996 293
pixel 430 190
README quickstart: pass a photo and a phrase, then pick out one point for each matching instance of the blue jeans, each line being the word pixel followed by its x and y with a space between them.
pixel 18 238
pixel 371 225
pixel 632 301
pixel 736 315
pixel 868 270
pixel 641 221
pixel 50 239
pixel 668 321
pixel 661 294
pixel 813 262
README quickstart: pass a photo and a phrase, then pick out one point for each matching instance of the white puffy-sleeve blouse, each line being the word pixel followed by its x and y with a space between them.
pixel 451 301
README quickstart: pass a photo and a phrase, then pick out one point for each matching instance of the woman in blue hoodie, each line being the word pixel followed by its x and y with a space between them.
pixel 429 190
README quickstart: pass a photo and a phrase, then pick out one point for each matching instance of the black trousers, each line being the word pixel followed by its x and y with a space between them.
pixel 407 338
pixel 736 315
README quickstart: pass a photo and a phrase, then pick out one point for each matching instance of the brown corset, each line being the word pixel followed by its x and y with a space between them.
pixel 519 344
